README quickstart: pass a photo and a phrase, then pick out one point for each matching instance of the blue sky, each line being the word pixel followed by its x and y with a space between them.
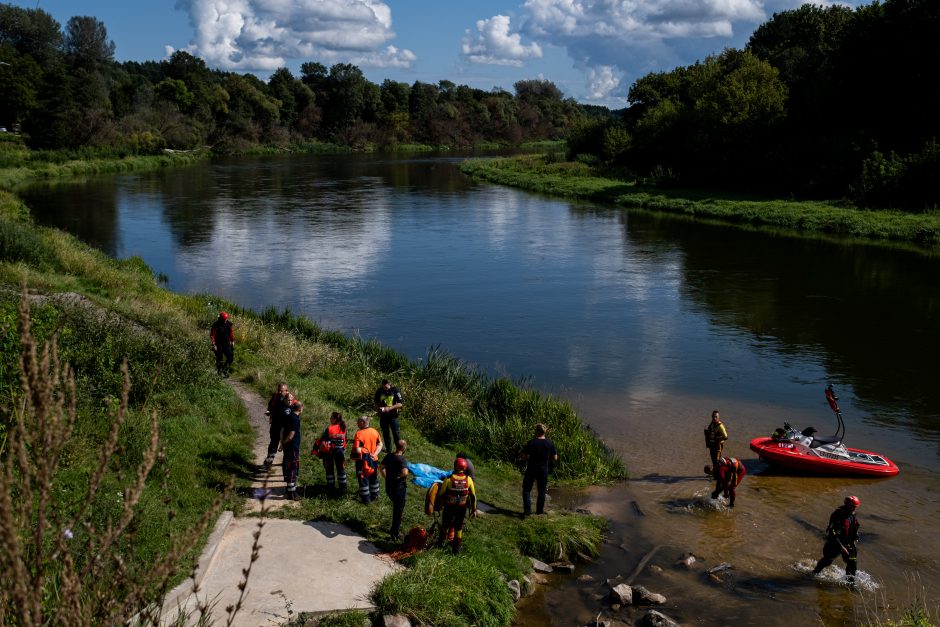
pixel 592 49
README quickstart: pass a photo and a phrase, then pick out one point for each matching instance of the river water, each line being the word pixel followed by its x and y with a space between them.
pixel 646 323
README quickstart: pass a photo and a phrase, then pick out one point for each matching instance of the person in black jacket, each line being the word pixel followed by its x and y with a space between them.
pixel 841 538
pixel 394 470
pixel 223 343
pixel 277 412
pixel 539 455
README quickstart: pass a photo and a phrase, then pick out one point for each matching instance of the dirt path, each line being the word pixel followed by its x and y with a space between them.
pixel 303 566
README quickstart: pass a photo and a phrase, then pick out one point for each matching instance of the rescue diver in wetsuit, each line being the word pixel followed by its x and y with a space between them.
pixel 841 537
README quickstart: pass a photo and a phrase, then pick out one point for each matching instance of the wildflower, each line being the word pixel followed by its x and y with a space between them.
pixel 67 533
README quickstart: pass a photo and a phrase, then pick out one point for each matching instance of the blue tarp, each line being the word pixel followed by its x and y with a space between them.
pixel 425 475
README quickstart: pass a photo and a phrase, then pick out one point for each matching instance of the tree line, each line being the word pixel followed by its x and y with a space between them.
pixel 823 102
pixel 64 89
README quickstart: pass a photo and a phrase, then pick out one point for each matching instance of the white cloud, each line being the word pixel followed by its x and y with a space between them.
pixel 616 41
pixel 262 35
pixel 495 45
pixel 602 82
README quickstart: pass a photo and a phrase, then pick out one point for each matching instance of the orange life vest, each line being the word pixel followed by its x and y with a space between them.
pixel 457 491
pixel 337 437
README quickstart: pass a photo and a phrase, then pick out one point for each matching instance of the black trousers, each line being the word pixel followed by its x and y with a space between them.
pixel 397 494
pixel 539 477
pixel 224 355
pixel 832 550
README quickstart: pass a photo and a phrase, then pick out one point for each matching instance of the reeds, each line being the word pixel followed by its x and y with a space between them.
pixel 64 563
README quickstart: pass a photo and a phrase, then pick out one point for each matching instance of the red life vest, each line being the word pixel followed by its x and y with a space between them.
pixel 337 437
pixel 457 491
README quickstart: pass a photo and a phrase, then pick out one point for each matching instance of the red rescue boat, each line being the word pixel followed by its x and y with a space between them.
pixel 804 452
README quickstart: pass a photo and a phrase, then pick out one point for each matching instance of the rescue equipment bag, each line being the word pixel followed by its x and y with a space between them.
pixel 432 500
pixel 458 491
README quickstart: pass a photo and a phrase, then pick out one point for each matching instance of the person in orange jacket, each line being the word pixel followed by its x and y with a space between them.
pixel 366 447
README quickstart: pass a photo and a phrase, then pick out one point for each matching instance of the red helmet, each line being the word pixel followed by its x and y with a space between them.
pixel 853 501
pixel 223 315
pixel 460 464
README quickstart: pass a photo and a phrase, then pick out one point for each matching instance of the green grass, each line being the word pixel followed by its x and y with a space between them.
pixel 107 310
pixel 582 181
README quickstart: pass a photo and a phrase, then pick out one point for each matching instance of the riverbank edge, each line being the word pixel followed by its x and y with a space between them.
pixel 497 544
pixel 58 165
pixel 546 175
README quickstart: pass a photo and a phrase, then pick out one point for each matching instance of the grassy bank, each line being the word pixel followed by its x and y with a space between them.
pixel 539 173
pixel 103 311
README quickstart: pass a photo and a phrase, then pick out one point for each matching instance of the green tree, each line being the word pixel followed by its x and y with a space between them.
pixel 87 45
pixel 20 78
pixel 174 92
pixel 31 32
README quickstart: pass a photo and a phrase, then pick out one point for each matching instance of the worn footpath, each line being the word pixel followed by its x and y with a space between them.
pixel 303 566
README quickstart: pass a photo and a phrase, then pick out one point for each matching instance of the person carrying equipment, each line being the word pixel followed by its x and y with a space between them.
pixel 223 343
pixel 728 473
pixel 715 436
pixel 366 447
pixel 330 447
pixel 457 495
pixel 841 538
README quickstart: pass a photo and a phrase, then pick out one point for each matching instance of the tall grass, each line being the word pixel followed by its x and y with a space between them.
pixel 580 180
pixel 71 551
pixel 458 405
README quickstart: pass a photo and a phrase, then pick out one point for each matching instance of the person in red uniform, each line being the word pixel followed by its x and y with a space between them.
pixel 841 537
pixel 331 448
pixel 223 343
pixel 728 473
pixel 457 495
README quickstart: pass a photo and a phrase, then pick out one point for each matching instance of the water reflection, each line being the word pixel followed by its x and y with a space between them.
pixel 646 323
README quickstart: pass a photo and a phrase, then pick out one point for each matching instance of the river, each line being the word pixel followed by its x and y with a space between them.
pixel 645 322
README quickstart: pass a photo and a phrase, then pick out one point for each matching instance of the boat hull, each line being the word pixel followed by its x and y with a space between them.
pixel 785 455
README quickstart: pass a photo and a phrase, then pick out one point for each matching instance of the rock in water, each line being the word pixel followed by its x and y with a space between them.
pixel 642 596
pixel 540 566
pixel 657 619
pixel 622 594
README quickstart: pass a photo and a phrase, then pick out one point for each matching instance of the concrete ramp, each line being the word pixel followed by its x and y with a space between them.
pixel 302 566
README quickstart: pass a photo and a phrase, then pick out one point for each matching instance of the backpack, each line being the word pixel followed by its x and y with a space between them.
pixel 416 540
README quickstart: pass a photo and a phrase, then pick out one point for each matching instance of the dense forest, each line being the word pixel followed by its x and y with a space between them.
pixel 823 102
pixel 63 89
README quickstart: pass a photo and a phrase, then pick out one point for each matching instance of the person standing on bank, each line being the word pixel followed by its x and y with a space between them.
pixel 223 343
pixel 715 436
pixel 290 444
pixel 458 495
pixel 728 474
pixel 395 472
pixel 277 412
pixel 841 538
pixel 366 448
pixel 388 401
pixel 539 455
pixel 331 448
